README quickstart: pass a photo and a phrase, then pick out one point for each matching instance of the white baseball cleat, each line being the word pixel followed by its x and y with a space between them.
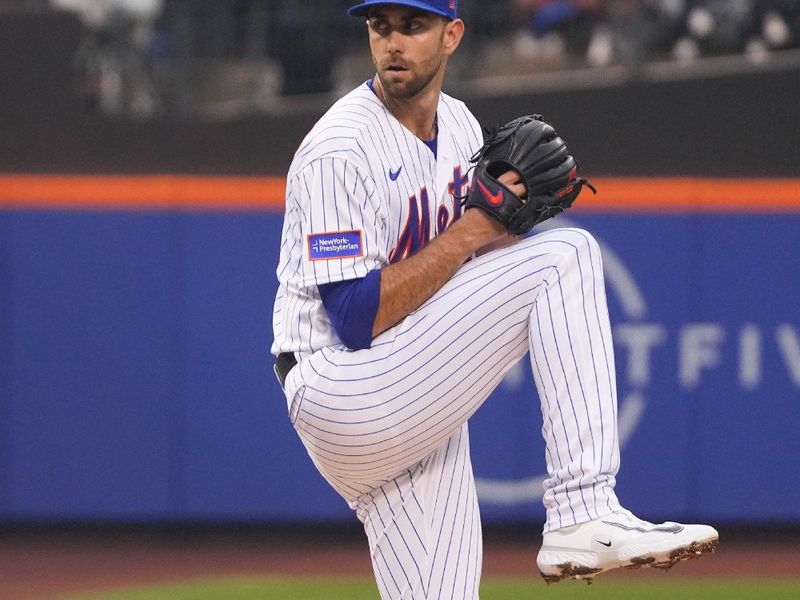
pixel 620 540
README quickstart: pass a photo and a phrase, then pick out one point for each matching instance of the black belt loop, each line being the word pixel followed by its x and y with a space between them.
pixel 285 362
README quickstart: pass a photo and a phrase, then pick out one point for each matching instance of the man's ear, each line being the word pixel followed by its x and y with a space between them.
pixel 453 32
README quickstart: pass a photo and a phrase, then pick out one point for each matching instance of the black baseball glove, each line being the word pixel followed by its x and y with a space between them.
pixel 532 148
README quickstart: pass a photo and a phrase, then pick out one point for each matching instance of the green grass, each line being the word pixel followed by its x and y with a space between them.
pixel 491 589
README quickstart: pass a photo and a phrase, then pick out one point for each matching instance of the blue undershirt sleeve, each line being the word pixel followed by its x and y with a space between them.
pixel 352 306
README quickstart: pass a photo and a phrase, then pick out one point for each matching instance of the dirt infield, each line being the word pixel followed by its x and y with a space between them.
pixel 35 567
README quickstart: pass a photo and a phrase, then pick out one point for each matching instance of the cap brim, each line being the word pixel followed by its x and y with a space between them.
pixel 362 10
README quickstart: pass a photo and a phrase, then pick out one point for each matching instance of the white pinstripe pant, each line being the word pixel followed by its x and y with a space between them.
pixel 386 426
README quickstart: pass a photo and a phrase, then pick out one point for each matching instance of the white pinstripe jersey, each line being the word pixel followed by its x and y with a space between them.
pixel 362 192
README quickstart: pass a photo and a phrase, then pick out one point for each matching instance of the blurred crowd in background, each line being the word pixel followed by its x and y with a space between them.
pixel 148 57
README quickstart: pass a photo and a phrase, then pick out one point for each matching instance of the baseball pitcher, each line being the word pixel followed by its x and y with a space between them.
pixel 409 287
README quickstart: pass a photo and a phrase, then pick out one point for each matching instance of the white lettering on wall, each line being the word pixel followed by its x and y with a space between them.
pixel 789 343
pixel 639 339
pixel 699 350
pixel 750 356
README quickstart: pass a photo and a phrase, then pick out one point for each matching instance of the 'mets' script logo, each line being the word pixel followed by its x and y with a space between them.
pixel 417 230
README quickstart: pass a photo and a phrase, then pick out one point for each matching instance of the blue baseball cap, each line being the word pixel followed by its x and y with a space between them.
pixel 446 8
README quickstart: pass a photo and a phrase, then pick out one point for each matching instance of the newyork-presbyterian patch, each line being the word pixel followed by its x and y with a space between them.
pixel 336 244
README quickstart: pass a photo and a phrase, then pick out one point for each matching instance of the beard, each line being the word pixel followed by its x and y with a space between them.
pixel 418 77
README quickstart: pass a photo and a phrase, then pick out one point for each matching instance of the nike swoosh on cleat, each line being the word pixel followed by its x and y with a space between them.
pixel 393 175
pixel 606 544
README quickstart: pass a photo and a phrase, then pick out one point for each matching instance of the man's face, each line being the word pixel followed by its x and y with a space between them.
pixel 408 48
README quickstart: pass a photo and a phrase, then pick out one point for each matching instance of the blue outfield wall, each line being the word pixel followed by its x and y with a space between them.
pixel 136 381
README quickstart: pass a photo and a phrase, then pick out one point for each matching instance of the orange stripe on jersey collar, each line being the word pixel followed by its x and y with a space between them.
pixel 229 193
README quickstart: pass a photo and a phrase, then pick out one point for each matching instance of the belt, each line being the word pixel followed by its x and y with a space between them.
pixel 285 362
